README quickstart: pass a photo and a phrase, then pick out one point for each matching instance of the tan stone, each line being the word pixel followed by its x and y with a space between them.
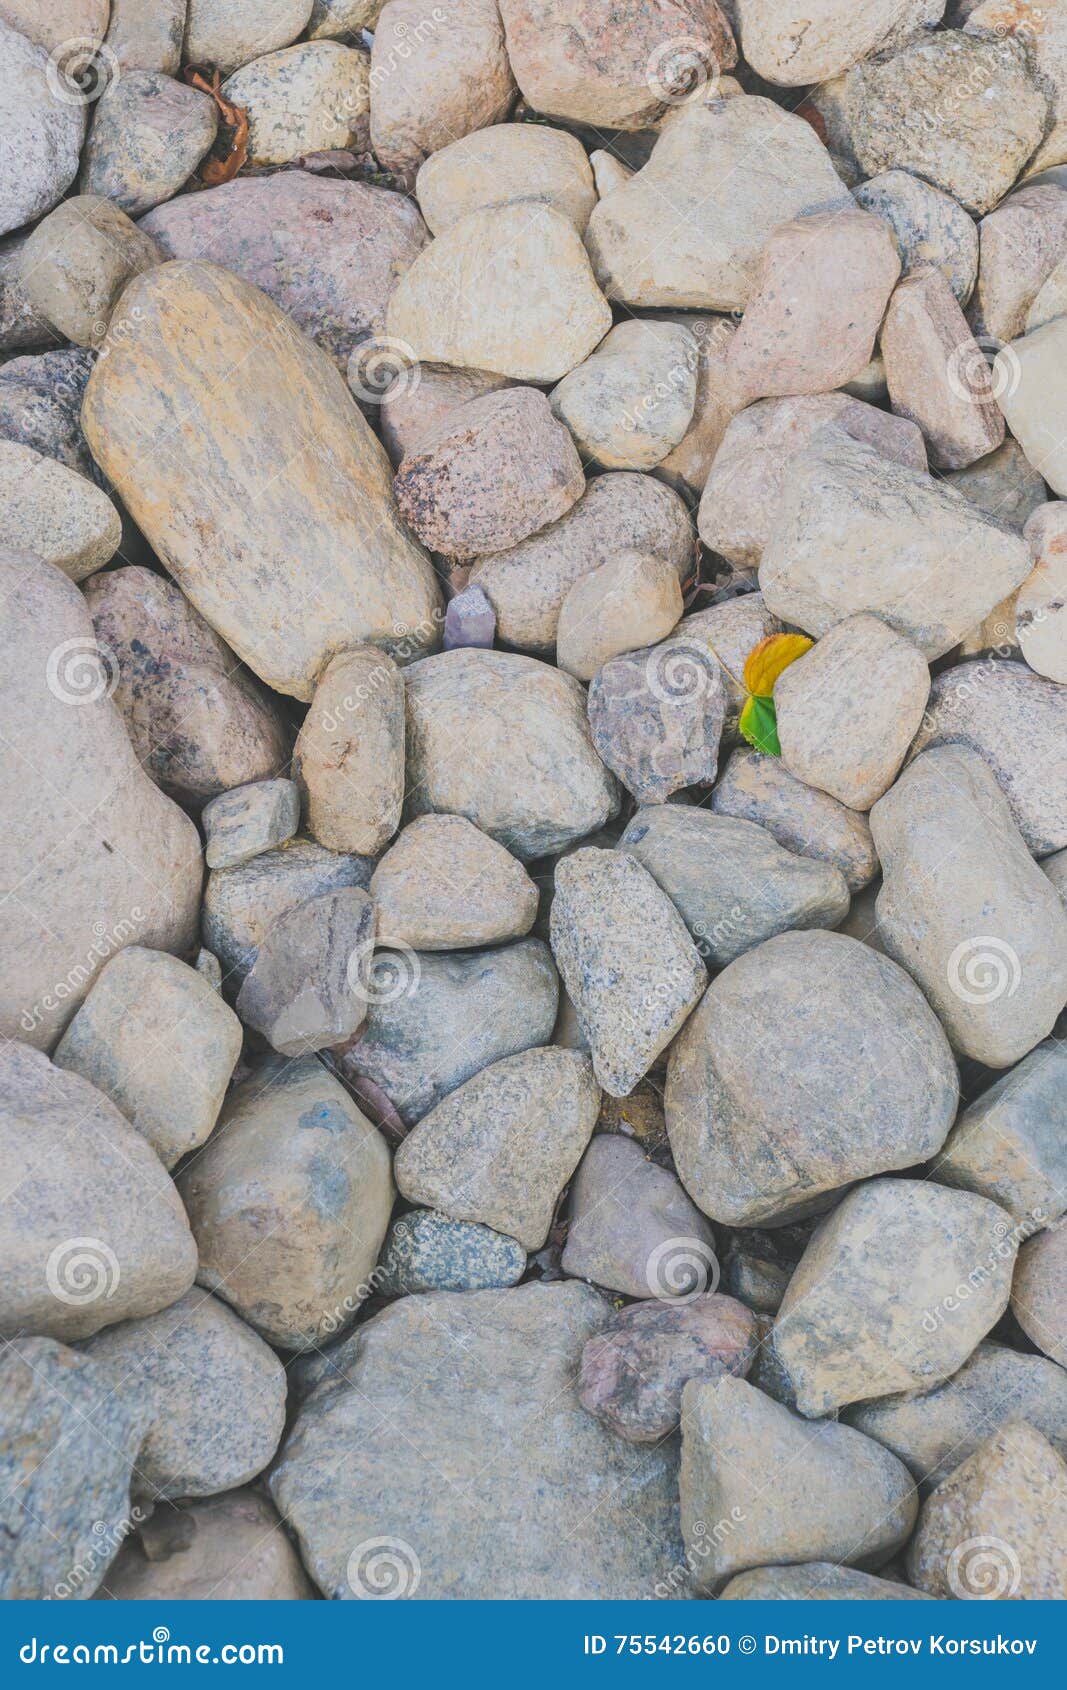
pixel 55 513
pixel 1020 243
pixel 444 885
pixel 687 465
pixel 349 755
pixel 632 401
pixel 435 79
pixel 1037 1292
pixel 615 608
pixel 228 33
pixel 1041 602
pixel 1042 31
pixel 509 161
pixel 760 789
pixel 793 42
pixel 303 99
pixel 58 22
pixel 77 261
pixel 1029 375
pixel 229 1548
pixel 422 397
pixel 937 374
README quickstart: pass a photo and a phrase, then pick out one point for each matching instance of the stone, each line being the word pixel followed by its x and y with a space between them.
pixel 893 1293
pixel 836 1495
pixel 76 263
pixel 62 20
pixel 240 519
pixel 801 331
pixel 147 137
pixel 20 324
pixel 1037 1292
pixel 40 406
pixel 247 820
pixel 731 882
pixel 1040 624
pixel 198 721
pixel 209 968
pixel 426 1251
pixel 147 34
pixel 506 289
pixel 816 1581
pixel 67 1449
pixel 212 1392
pixel 435 1021
pixel 470 620
pixel 1033 397
pixel 1015 721
pixel 302 99
pixel 1021 241
pixel 228 33
pixel 632 1228
pixel 348 760
pixel 804 820
pixel 722 176
pixel 744 488
pixel 855 532
pixel 937 374
pixel 502 740
pixel 656 715
pixel 849 708
pixel 614 66
pixel 990 114
pixel 431 86
pixel 994 1529
pixel 1050 300
pixel 501 1147
pixel 612 609
pixel 626 959
pixel 509 161
pixel 686 466
pixel 338 18
pixel 155 1038
pixel 91 1228
pixel 99 857
pixel 494 471
pixel 608 171
pixel 241 904
pixel 1041 31
pixel 527 584
pixel 421 397
pixel 631 402
pixel 289 1201
pixel 1010 1144
pixel 328 252
pixel 232 1548
pixel 633 1372
pixel 859 1083
pixel 988 944
pixel 308 987
pixel 728 631
pixel 443 885
pixel 794 43
pixel 43 133
pixel 1003 485
pixel 931 228
pixel 933 1431
pixel 55 513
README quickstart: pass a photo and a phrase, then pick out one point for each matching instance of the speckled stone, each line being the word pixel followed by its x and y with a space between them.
pixel 632 1228
pixel 1010 1144
pixel 1038 1299
pixel 147 137
pixel 444 885
pixel 760 789
pixel 656 715
pixel 76 263
pixel 303 99
pixel 43 133
pixel 930 226
pixel 426 1251
pixel 470 620
pixel 247 820
pixel 56 513
pixel 40 405
pixel 241 904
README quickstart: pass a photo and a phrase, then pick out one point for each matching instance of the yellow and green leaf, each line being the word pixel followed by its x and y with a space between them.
pixel 765 662
pixel 759 725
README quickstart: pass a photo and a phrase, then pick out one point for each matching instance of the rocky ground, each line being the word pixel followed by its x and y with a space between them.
pixel 533 717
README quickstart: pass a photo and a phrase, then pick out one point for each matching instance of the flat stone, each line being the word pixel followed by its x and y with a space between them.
pixel 1033 397
pixel 507 289
pixel 442 1395
pixel 423 395
pixel 849 708
pixel 1037 1293
pixel 988 943
pixel 148 135
pixel 937 374
pixel 508 161
pixel 494 471
pixel 1010 1144
pixel 634 1371
pixel 348 760
pixel 994 1529
pixel 633 1229
pixel 730 881
pixel 836 1495
pixel 241 904
pixel 631 402
pixel 859 1079
pixel 503 740
pixel 500 1148
pixel 76 263
pixel 91 1228
pixel 302 99
pixel 230 1548
pixel 792 43
pixel 615 608
pixel 626 959
pixel 55 513
pixel 931 228
pixel 289 1201
pixel 458 81
pixel 444 885
pixel 308 987
pixel 44 133
pixel 157 1040
pixel 241 525
pixel 198 721
pixel 435 1021
pixel 875 1305
pixel 228 33
pixel 247 820
pixel 656 715
pixel 722 176
pixel 856 532
pixel 213 1395
pixel 147 34
pixel 426 1251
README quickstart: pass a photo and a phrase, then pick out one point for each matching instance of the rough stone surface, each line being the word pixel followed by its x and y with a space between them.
pixel 241 904
pixel 230 1548
pixel 810 823
pixel 430 87
pixel 40 405
pixel 147 34
pixel 247 820
pixel 1004 485
pixel 791 43
pixel 42 133
pixel 155 1039
pixel 1010 1144
pixel 632 1228
pixel 875 1307
pixel 1033 396
pixel 76 263
pixel 444 885
pixel 988 943
pixel 228 33
pixel 1020 244
pixel 426 1251
pixel 727 632
pixel 1041 602
pixel 349 755
pixel 470 620
pixel 631 402
pixel 303 99
pixel 289 1201
pixel 931 228
pixel 1037 1293
pixel 656 715
pixel 20 325
pixel 937 374
pixel 419 398
pixel 308 987
pixel 55 513
pixel 148 135
pixel 686 467
pixel 859 1080
pixel 509 161
pixel 615 608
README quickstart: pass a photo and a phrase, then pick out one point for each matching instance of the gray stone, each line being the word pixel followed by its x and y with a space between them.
pixel 816 1581
pixel 309 986
pixel 40 405
pixel 242 904
pixel 43 132
pixel 443 886
pixel 419 396
pixel 77 261
pixel 20 325
pixel 1038 1299
pixel 148 135
pixel 228 33
pixel 426 1251
pixel 633 1229
pixel 1010 1144
pixel 937 372
pixel 656 715
pixel 810 823
pixel 247 820
pixel 930 226
pixel 226 1548
pixel 470 619
pixel 1003 484
pixel 55 513
pixel 147 34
